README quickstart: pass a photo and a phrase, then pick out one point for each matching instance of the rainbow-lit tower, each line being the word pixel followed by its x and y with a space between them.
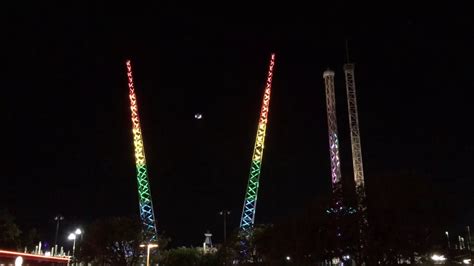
pixel 328 76
pixel 250 202
pixel 147 215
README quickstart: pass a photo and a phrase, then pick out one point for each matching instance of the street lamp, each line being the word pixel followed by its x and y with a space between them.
pixel 148 247
pixel 225 213
pixel 58 218
pixel 447 237
pixel 79 232
pixel 72 237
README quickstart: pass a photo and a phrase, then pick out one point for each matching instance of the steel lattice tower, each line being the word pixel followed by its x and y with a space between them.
pixel 250 202
pixel 147 215
pixel 328 76
pixel 356 154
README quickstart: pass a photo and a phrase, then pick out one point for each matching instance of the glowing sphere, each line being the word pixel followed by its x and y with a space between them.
pixel 19 261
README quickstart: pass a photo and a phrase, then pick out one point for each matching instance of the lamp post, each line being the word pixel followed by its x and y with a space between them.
pixel 72 237
pixel 148 247
pixel 447 237
pixel 58 218
pixel 225 213
pixel 469 242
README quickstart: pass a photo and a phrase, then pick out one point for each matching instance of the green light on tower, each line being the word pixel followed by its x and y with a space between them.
pixel 147 215
pixel 250 202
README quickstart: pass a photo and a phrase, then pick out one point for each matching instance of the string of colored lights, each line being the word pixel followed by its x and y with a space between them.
pixel 147 215
pixel 250 203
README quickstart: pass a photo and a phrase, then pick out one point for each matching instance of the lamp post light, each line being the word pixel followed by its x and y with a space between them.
pixel 447 237
pixel 225 213
pixel 72 237
pixel 58 218
pixel 148 247
pixel 79 232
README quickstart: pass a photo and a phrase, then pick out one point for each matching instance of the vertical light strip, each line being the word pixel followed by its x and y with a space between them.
pixel 250 203
pixel 333 139
pixel 147 215
pixel 357 157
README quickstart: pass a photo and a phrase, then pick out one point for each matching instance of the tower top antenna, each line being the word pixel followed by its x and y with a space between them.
pixel 347 51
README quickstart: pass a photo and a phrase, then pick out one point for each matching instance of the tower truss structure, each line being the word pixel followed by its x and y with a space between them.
pixel 147 215
pixel 250 202
pixel 356 153
pixel 328 76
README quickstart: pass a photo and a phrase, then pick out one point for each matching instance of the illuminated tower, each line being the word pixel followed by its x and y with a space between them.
pixel 328 76
pixel 147 215
pixel 356 154
pixel 250 202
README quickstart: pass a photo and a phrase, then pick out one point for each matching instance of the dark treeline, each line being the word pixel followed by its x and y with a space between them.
pixel 404 228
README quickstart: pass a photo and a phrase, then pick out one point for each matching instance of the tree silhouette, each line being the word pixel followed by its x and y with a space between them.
pixel 9 231
pixel 113 241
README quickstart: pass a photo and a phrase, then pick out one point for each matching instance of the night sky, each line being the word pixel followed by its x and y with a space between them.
pixel 67 141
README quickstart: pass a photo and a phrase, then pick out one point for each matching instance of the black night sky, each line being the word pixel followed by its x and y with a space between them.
pixel 67 142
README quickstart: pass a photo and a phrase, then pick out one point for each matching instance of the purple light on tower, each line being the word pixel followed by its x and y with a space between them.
pixel 333 140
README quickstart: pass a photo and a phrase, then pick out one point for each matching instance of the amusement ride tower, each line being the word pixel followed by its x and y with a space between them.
pixel 357 156
pixel 147 215
pixel 328 76
pixel 250 202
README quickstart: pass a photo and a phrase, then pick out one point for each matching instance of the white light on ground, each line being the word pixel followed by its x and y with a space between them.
pixel 78 231
pixel 288 258
pixel 149 245
pixel 18 261
pixel 198 116
pixel 437 257
pixel 466 261
pixel 47 253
